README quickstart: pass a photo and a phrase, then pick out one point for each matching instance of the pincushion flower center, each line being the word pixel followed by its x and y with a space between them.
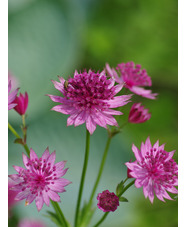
pixel 89 90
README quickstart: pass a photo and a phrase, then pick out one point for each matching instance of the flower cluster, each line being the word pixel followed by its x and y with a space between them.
pixel 91 97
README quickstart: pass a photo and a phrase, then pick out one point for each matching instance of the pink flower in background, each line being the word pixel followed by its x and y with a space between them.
pixel 133 78
pixel 138 114
pixel 154 170
pixel 11 195
pixel 11 96
pixel 41 180
pixel 22 103
pixel 89 97
pixel 107 201
pixel 31 223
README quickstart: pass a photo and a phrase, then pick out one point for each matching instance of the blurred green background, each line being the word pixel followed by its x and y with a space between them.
pixel 54 37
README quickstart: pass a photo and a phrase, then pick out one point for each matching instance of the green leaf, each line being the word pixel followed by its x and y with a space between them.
pixel 53 218
pixel 19 141
pixel 119 187
pixel 123 199
pixel 85 216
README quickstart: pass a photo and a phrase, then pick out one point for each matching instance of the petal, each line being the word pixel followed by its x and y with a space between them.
pixel 54 196
pixel 30 199
pixel 46 198
pixel 170 155
pixel 33 155
pixel 25 160
pixel 142 92
pixel 137 153
pixel 46 154
pixel 148 144
pixel 39 202
pixel 59 86
pixel 60 165
pixel 56 98
pixel 52 158
pixel 90 125
pixel 119 101
pixel 65 109
pixel 80 119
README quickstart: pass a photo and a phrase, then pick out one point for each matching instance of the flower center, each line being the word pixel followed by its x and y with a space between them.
pixel 133 75
pixel 160 170
pixel 89 90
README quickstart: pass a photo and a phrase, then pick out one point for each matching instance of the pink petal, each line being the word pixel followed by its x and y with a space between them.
pixel 90 125
pixel 142 92
pixel 137 153
pixel 54 196
pixel 33 155
pixel 39 202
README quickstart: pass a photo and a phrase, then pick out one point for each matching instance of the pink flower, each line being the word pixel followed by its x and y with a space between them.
pixel 41 180
pixel 107 201
pixel 11 195
pixel 22 103
pixel 89 97
pixel 11 96
pixel 138 114
pixel 132 77
pixel 154 170
pixel 30 223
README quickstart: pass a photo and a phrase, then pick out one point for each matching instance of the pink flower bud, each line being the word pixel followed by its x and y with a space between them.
pixel 107 201
pixel 22 103
pixel 138 114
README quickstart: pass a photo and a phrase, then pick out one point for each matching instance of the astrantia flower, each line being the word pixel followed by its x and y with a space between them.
pixel 133 78
pixel 154 170
pixel 31 223
pixel 89 97
pixel 41 180
pixel 11 96
pixel 107 201
pixel 138 114
pixel 22 103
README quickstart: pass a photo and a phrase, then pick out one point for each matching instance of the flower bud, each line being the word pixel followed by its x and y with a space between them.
pixel 22 103
pixel 138 114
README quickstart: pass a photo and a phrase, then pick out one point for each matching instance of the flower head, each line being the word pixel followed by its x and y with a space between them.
pixel 41 180
pixel 22 103
pixel 107 201
pixel 11 96
pixel 154 170
pixel 89 97
pixel 30 223
pixel 133 78
pixel 138 114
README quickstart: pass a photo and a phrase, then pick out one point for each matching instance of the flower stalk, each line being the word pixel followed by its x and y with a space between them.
pixel 19 139
pixel 83 176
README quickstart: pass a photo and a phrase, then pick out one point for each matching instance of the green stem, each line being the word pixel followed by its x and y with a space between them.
pixel 125 188
pixel 18 136
pixel 13 131
pixel 60 214
pixel 100 171
pixel 121 193
pixel 101 220
pixel 82 176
